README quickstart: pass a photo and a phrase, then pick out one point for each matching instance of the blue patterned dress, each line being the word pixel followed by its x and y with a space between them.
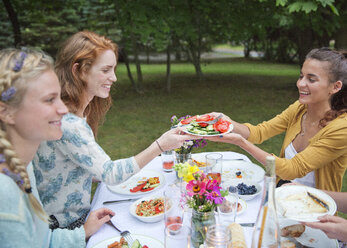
pixel 64 170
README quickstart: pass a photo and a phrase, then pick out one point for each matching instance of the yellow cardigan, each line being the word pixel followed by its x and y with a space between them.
pixel 326 153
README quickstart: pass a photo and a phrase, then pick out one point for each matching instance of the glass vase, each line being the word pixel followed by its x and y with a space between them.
pixel 200 223
pixel 183 157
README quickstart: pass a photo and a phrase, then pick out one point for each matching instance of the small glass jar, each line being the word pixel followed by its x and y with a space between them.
pixel 218 236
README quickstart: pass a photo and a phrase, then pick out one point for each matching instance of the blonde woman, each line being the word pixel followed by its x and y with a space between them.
pixel 30 112
pixel 86 69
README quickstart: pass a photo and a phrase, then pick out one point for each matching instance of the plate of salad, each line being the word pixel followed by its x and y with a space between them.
pixel 192 126
pixel 145 181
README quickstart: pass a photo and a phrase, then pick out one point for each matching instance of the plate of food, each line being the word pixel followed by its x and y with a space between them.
pixel 145 181
pixel 195 125
pixel 119 242
pixel 302 203
pixel 305 236
pixel 241 169
pixel 148 209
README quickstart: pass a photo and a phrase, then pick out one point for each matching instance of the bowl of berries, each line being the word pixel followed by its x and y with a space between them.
pixel 247 189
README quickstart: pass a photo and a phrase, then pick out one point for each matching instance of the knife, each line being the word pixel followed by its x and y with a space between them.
pixel 319 201
pixel 117 201
pixel 247 224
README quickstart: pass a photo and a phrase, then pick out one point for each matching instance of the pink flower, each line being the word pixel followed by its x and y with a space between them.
pixel 195 187
pixel 212 184
pixel 215 195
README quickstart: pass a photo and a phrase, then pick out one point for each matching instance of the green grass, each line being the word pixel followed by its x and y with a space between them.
pixel 246 90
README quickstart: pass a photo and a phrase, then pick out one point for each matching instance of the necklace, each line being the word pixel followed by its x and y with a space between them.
pixel 303 129
pixel 303 126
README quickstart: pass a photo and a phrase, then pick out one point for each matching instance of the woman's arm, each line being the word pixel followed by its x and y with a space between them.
pixel 170 140
pixel 340 199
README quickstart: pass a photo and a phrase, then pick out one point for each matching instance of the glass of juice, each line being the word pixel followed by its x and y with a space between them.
pixel 168 160
pixel 173 206
pixel 214 161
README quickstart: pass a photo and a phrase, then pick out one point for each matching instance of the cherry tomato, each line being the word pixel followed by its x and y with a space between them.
pixel 145 246
pixel 204 118
pixel 221 126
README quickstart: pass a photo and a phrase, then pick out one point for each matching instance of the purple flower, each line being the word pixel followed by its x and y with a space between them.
pixel 8 94
pixel 215 196
pixel 19 63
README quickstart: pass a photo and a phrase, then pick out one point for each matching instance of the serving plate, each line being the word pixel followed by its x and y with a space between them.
pixel 291 203
pixel 124 188
pixel 144 240
pixel 231 127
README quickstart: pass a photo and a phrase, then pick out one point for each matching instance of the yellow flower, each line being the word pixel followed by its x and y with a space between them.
pixel 188 177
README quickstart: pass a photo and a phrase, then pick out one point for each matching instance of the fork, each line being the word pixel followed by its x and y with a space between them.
pixel 125 234
pixel 213 121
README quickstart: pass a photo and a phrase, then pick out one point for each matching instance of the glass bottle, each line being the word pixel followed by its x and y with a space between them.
pixel 266 230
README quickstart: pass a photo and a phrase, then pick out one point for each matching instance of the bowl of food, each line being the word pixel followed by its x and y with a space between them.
pixel 148 209
pixel 247 189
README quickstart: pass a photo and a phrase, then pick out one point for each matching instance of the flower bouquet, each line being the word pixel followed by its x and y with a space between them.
pixel 203 195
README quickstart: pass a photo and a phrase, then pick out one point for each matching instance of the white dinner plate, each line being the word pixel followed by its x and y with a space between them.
pixel 231 127
pixel 144 240
pixel 296 209
pixel 310 237
pixel 124 188
pixel 249 171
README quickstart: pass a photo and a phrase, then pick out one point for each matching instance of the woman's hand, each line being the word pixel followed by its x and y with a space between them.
pixel 231 138
pixel 224 117
pixel 334 227
pixel 174 138
pixel 96 219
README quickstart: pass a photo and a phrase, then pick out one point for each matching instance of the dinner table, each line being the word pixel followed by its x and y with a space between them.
pixel 125 221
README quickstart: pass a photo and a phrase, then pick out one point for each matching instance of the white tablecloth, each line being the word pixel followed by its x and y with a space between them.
pixel 124 221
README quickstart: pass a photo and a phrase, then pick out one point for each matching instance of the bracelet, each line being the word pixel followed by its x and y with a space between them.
pixel 161 149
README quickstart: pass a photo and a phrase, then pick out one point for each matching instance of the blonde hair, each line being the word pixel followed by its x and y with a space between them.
pixel 33 65
pixel 82 48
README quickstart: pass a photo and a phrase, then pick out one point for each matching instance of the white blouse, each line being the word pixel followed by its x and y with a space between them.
pixel 309 179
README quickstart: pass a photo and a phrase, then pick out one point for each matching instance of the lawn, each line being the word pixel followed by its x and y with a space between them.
pixel 246 90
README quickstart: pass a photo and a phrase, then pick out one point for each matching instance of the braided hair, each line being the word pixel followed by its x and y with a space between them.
pixel 16 68
pixel 337 71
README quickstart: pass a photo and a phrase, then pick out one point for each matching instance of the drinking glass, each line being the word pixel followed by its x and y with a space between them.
pixel 173 206
pixel 227 211
pixel 177 235
pixel 214 161
pixel 218 236
pixel 168 159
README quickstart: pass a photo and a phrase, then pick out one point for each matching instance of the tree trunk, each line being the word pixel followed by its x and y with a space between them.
pixel 195 58
pixel 15 23
pixel 341 38
pixel 126 61
pixel 168 69
pixel 137 63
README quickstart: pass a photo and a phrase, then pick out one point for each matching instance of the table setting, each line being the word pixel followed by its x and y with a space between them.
pixel 208 199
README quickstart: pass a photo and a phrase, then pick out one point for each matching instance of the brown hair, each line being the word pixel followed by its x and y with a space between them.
pixel 337 72
pixel 33 65
pixel 82 48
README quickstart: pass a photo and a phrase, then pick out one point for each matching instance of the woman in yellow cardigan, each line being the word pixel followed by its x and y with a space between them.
pixel 314 150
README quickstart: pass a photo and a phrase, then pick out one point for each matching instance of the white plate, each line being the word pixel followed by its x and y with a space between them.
pixel 148 219
pixel 144 240
pixel 124 188
pixel 249 171
pixel 311 237
pixel 295 209
pixel 231 127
